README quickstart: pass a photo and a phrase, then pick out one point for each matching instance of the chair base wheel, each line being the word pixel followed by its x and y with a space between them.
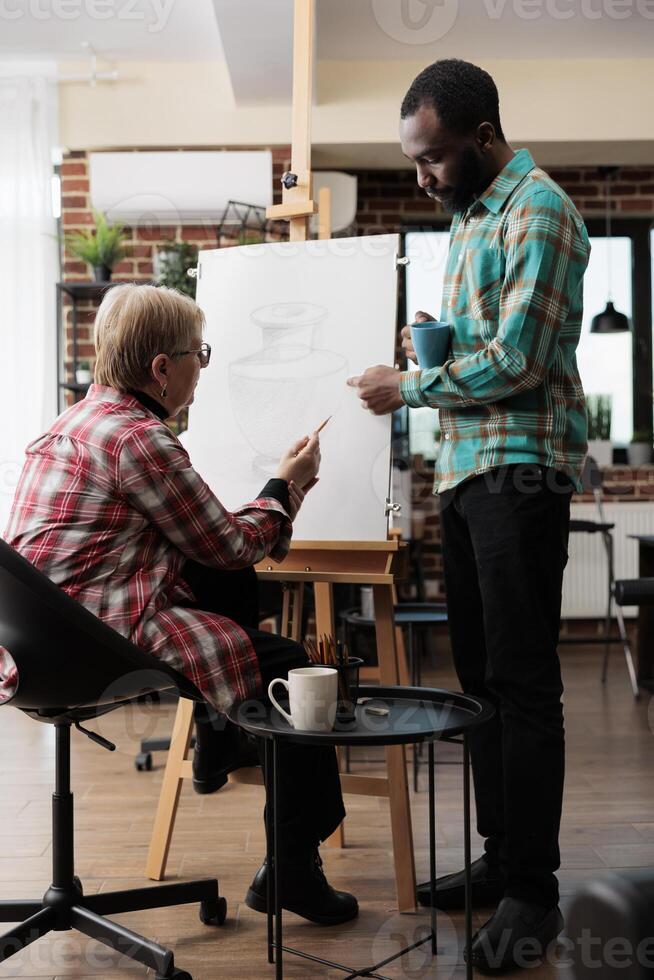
pixel 175 975
pixel 213 913
pixel 143 761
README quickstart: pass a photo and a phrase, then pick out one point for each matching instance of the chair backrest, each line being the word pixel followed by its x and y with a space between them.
pixel 591 476
pixel 591 479
pixel 65 656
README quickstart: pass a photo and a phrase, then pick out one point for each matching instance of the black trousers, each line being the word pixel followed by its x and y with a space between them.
pixel 505 537
pixel 311 802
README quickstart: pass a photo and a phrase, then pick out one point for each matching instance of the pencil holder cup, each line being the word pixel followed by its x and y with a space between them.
pixel 348 688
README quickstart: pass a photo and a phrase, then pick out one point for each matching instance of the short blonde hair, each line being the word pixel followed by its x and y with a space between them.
pixel 135 323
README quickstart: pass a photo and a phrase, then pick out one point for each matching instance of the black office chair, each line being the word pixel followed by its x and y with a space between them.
pixel 629 592
pixel 592 483
pixel 72 668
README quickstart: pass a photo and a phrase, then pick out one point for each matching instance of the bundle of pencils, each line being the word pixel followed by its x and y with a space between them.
pixel 328 653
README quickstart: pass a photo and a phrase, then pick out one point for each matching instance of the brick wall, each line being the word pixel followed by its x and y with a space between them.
pixel 387 200
pixel 142 243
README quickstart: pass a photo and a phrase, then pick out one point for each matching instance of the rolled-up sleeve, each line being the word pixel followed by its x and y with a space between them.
pixel 156 476
pixel 545 262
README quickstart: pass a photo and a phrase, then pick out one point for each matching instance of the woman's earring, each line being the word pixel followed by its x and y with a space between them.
pixel 164 391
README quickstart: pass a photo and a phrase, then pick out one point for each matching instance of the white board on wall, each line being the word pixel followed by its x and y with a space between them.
pixel 288 324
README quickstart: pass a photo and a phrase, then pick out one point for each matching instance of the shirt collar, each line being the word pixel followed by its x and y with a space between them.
pixel 496 194
pixel 151 404
pixel 105 393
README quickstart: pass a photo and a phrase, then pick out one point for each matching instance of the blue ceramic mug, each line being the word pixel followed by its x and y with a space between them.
pixel 431 342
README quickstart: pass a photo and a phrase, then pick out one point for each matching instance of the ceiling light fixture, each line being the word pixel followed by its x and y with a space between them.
pixel 609 320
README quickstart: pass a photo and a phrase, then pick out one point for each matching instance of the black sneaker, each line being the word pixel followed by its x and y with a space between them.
pixel 305 891
pixel 487 888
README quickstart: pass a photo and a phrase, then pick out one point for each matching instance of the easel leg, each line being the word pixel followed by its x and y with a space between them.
pixel 292 608
pixel 398 788
pixel 171 787
pixel 325 623
pixel 402 666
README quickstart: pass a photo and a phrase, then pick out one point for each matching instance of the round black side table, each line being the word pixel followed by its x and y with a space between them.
pixel 415 715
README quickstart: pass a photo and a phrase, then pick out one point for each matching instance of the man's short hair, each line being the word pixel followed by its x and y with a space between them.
pixel 135 323
pixel 462 94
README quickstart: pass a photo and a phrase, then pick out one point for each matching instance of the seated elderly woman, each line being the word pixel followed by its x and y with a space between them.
pixel 110 508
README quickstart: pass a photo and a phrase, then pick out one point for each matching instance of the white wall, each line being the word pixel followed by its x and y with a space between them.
pixel 560 101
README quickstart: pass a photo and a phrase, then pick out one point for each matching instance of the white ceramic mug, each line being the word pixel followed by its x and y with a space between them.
pixel 312 694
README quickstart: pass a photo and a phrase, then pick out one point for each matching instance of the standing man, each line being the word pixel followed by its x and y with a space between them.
pixel 513 425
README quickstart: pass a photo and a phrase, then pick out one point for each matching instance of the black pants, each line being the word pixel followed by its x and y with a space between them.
pixel 311 803
pixel 505 537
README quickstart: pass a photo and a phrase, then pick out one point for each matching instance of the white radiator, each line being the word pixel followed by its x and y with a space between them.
pixel 586 575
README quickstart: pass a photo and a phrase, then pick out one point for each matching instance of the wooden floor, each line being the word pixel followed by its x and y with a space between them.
pixel 608 822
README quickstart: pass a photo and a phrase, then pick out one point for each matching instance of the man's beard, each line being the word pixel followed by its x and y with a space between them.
pixel 469 182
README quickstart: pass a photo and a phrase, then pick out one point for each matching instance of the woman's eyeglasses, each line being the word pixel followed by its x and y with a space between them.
pixel 203 352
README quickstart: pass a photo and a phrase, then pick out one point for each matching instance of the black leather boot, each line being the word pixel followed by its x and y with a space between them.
pixel 220 748
pixel 305 891
pixel 487 888
pixel 516 936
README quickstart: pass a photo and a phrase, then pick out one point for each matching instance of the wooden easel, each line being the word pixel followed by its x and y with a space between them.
pixel 321 563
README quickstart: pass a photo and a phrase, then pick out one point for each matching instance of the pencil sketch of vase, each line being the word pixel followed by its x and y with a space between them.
pixel 285 390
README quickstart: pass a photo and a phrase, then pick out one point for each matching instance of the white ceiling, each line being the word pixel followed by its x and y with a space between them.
pixel 138 30
pixel 257 31
pixel 257 40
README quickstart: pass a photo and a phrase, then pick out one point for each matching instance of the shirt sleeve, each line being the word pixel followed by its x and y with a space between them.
pixel 546 258
pixel 156 477
pixel 278 490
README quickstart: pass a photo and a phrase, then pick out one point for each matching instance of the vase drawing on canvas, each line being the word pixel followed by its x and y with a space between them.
pixel 287 388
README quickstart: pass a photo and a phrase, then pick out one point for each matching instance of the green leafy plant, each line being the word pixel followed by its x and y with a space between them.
pixel 246 237
pixel 599 408
pixel 103 245
pixel 175 259
pixel 642 436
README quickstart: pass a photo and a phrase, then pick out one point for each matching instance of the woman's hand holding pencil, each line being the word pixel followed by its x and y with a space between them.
pixel 299 467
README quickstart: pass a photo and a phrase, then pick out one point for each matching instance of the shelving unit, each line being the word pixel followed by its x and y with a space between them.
pixel 77 292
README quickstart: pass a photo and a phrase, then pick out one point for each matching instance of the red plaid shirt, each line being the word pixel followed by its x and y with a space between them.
pixel 109 507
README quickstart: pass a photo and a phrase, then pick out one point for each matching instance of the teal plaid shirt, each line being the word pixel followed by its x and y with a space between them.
pixel 510 391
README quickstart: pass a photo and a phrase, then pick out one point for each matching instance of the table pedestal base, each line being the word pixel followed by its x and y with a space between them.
pixel 276 948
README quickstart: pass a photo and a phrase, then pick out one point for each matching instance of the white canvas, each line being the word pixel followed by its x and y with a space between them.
pixel 288 324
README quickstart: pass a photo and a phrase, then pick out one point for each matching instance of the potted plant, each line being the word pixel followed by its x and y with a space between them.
pixel 172 264
pixel 639 452
pixel 599 429
pixel 102 247
pixel 83 374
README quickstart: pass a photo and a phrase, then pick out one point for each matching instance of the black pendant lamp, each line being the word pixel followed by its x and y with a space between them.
pixel 609 320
